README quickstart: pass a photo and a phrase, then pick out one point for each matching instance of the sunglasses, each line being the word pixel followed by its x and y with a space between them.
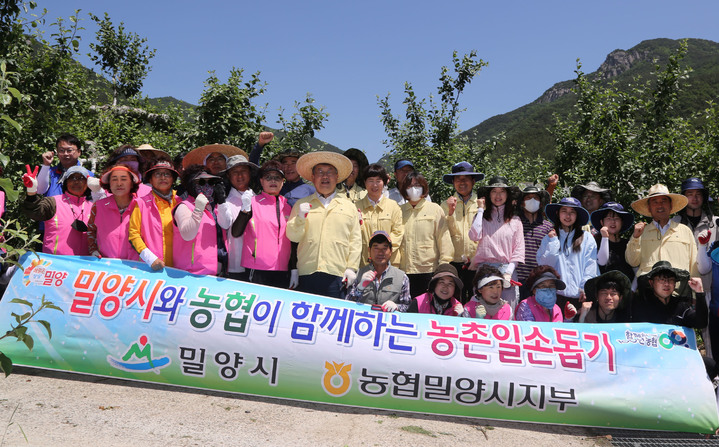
pixel 203 182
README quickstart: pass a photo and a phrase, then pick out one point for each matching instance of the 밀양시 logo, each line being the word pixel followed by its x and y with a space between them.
pixel 39 274
pixel 142 352
pixel 336 381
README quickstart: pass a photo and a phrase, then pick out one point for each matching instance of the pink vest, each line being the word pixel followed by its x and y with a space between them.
pixel 112 230
pixel 151 225
pixel 60 238
pixel 200 254
pixel 2 203
pixel 504 313
pixel 540 313
pixel 424 304
pixel 265 245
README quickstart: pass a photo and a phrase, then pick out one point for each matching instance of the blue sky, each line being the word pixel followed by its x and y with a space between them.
pixel 348 53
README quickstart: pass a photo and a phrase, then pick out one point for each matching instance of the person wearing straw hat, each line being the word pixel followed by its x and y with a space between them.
pixel 460 209
pixel 379 283
pixel 212 156
pixel 499 232
pixel 65 216
pixel 662 239
pixel 239 172
pixel 151 230
pixel 609 298
pixel 109 224
pixel 294 188
pixel 379 212
pixel 326 226
pixel 535 226
pixel 569 249
pixel 612 220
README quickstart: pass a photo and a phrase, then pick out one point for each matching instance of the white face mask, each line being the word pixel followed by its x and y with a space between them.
pixel 531 205
pixel 414 193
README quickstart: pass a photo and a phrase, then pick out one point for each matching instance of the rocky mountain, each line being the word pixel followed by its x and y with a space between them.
pixel 527 128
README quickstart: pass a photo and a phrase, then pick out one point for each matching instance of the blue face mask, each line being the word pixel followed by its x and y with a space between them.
pixel 546 298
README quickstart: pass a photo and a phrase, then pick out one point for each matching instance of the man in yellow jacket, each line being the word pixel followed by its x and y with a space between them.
pixel 661 239
pixel 326 226
pixel 460 209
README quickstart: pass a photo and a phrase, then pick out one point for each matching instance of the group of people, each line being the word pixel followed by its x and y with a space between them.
pixel 327 223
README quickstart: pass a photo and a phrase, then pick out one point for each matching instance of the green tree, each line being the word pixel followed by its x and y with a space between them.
pixel 227 113
pixel 628 141
pixel 428 135
pixel 298 129
pixel 122 55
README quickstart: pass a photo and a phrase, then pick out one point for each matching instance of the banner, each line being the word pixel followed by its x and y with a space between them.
pixel 123 320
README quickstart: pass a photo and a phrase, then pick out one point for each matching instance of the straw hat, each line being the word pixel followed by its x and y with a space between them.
pixel 145 149
pixel 197 156
pixel 641 206
pixel 339 161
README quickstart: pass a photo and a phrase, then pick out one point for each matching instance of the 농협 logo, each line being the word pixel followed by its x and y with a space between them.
pixel 336 381
pixel 142 351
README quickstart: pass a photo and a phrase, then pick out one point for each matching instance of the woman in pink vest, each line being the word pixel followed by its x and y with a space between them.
pixel 266 250
pixel 541 306
pixel 108 226
pixel 443 294
pixel 195 236
pixel 151 230
pixel 65 216
pixel 487 301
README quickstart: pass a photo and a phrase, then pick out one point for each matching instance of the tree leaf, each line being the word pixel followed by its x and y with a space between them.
pixel 47 327
pixel 21 301
pixel 5 364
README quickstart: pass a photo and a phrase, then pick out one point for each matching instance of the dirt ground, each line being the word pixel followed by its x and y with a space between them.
pixel 52 408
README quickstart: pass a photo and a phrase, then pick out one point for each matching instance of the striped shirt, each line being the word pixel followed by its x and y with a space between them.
pixel 533 234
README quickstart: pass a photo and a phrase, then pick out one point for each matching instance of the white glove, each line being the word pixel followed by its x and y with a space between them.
pixel 366 279
pixel 94 184
pixel 389 306
pixel 349 278
pixel 294 278
pixel 201 202
pixel 304 209
pixel 246 203
pixel 97 254
pixel 480 311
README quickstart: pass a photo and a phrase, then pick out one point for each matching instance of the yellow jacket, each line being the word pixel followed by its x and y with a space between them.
pixel 677 246
pixel 386 216
pixel 459 224
pixel 329 238
pixel 427 242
